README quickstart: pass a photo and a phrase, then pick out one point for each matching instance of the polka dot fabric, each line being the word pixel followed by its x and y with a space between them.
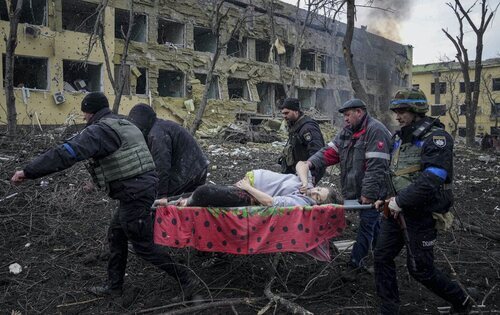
pixel 251 230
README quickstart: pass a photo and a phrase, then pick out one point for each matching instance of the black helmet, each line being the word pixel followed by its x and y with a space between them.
pixel 413 100
pixel 354 103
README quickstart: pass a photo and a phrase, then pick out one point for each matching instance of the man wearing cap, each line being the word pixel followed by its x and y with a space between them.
pixel 362 149
pixel 180 162
pixel 121 163
pixel 304 138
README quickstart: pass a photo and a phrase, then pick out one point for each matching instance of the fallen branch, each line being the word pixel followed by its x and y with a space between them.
pixel 78 303
pixel 204 306
pixel 479 230
pixel 292 307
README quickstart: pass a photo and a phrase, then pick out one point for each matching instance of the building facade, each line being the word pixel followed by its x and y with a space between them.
pixel 447 102
pixel 169 57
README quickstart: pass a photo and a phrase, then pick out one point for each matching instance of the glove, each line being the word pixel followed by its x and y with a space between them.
pixel 394 207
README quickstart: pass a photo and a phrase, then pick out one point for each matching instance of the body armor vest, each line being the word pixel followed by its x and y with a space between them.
pixel 131 159
pixel 291 153
pixel 405 163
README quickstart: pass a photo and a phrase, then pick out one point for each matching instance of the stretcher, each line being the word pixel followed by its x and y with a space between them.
pixel 252 230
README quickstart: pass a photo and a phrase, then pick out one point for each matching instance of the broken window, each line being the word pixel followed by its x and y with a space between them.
pixel 170 32
pixel 462 87
pixel 79 16
pixel 496 84
pixel 213 92
pixel 341 66
pixel 307 60
pixel 237 88
pixel 204 40
pixel 344 96
pixel 306 98
pixel 371 72
pixel 288 57
pixel 141 85
pixel 262 48
pixel 32 12
pixel 139 29
pixel 125 80
pixel 442 88
pixel 170 83
pixel 438 110
pixel 324 100
pixel 82 76
pixel 266 104
pixel 235 48
pixel 29 72
pixel 326 64
pixel 416 86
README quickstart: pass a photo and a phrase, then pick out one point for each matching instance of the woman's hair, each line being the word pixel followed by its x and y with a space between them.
pixel 333 197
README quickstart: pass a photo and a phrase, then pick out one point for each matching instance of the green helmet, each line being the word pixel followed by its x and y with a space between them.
pixel 413 100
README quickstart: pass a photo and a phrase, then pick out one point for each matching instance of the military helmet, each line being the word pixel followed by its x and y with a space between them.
pixel 413 100
pixel 354 103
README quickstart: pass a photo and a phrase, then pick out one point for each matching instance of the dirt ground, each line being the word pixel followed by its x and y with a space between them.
pixel 57 234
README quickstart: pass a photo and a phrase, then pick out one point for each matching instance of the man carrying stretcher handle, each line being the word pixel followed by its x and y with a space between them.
pixel 260 187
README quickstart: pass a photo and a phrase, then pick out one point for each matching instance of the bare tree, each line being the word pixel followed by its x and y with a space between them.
pixel 14 12
pixel 451 78
pixel 118 84
pixel 219 18
pixel 357 86
pixel 471 95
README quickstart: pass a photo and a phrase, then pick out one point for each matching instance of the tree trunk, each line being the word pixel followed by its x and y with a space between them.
pixel 359 90
pixel 10 49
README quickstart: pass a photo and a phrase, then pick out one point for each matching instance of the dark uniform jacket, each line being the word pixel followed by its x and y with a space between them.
pixel 430 190
pixel 96 141
pixel 304 140
pixel 363 154
pixel 177 156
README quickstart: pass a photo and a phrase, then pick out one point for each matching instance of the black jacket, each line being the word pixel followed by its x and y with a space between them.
pixel 426 193
pixel 96 141
pixel 177 156
pixel 306 139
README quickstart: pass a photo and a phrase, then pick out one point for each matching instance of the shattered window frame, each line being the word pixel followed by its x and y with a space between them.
pixel 214 92
pixel 307 98
pixel 90 72
pixel 171 88
pixel 262 50
pixel 324 100
pixel 241 49
pixel 245 94
pixel 29 14
pixel 140 29
pixel 164 32
pixel 266 92
pixel 142 80
pixel 308 60
pixel 209 37
pixel 25 75
pixel 462 87
pixel 86 23
pixel 326 62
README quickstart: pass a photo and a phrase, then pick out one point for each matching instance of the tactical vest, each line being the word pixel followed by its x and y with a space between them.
pixel 405 163
pixel 131 159
pixel 290 151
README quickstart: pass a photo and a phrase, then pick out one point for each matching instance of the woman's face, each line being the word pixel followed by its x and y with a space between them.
pixel 319 194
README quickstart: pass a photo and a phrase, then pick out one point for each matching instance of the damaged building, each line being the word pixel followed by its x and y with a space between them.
pixel 169 56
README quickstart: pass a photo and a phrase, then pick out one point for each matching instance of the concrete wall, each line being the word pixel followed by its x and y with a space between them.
pixel 391 61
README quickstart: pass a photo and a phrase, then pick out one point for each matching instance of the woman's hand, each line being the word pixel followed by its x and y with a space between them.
pixel 244 184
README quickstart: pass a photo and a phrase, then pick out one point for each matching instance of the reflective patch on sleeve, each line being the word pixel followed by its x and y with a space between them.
pixel 307 136
pixel 377 155
pixel 439 172
pixel 333 146
pixel 70 150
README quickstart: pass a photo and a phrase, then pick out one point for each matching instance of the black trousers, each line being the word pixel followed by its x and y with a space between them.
pixel 132 222
pixel 191 185
pixel 221 196
pixel 422 236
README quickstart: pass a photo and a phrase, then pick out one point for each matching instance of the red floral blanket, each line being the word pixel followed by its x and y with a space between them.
pixel 250 230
